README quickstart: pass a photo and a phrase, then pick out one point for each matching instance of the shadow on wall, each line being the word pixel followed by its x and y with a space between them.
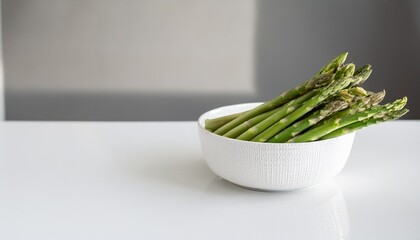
pixel 293 40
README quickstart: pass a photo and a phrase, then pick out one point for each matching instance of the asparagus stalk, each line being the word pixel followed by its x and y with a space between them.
pixel 255 133
pixel 363 73
pixel 249 123
pixel 352 95
pixel 213 124
pixel 365 123
pixel 310 120
pixel 334 124
pixel 334 64
pixel 343 71
pixel 265 123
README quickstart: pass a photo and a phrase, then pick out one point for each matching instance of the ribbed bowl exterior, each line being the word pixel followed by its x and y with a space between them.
pixel 272 166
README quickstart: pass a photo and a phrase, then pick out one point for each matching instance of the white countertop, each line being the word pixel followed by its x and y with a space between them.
pixel 148 180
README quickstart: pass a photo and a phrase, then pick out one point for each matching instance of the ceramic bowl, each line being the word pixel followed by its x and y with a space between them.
pixel 271 166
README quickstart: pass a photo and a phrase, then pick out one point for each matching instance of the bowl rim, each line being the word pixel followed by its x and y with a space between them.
pixel 201 121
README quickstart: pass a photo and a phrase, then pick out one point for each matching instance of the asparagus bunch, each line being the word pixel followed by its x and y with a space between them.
pixel 322 78
pixel 330 104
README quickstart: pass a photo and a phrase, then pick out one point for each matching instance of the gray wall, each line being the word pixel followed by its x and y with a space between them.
pixel 2 106
pixel 172 60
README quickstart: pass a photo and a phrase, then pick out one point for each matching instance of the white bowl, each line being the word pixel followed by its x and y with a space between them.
pixel 271 166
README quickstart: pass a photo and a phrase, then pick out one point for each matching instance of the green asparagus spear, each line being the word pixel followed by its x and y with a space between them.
pixel 334 64
pixel 365 123
pixel 345 70
pixel 214 123
pixel 363 74
pixel 352 95
pixel 334 124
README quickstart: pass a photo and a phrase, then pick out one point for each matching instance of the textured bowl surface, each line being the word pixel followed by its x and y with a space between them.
pixel 271 166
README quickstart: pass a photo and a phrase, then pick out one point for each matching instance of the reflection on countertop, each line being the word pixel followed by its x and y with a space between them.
pixel 318 212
